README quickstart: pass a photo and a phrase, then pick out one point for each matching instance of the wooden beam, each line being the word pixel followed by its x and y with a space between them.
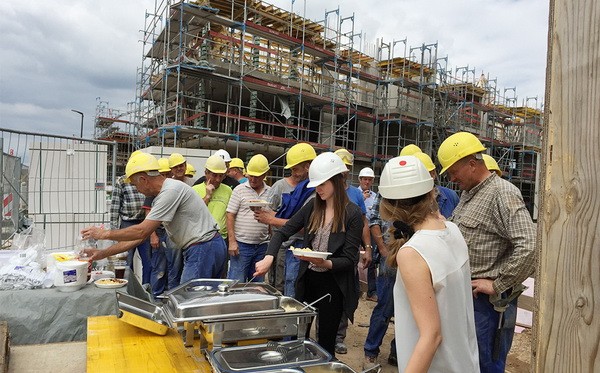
pixel 4 347
pixel 567 321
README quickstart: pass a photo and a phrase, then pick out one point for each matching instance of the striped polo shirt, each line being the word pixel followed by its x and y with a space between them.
pixel 246 228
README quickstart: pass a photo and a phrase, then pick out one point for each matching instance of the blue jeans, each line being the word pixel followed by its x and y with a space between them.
pixel 372 273
pixel 204 259
pixel 166 265
pixel 486 326
pixel 292 266
pixel 144 250
pixel 243 266
pixel 382 313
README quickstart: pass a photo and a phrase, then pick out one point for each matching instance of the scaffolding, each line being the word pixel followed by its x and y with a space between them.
pixel 250 77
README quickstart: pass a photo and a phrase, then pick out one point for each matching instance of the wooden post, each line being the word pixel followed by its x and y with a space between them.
pixel 567 321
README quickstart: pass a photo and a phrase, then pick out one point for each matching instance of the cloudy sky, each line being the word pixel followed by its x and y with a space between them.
pixel 60 55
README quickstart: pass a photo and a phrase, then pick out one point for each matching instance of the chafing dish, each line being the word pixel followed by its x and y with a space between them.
pixel 225 312
pixel 268 357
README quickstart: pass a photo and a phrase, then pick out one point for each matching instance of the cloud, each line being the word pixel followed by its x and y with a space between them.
pixel 61 55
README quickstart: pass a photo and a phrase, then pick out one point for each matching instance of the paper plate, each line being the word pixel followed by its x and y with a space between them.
pixel 110 283
pixel 258 203
pixel 310 254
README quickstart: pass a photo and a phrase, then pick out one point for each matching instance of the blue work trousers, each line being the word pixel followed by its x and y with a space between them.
pixel 143 249
pixel 292 266
pixel 243 265
pixel 167 263
pixel 382 312
pixel 204 259
pixel 486 326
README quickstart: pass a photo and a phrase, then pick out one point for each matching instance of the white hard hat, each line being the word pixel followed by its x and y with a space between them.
pixel 324 167
pixel 404 177
pixel 223 154
pixel 366 172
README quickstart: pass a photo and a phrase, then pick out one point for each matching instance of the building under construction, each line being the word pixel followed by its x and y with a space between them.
pixel 250 77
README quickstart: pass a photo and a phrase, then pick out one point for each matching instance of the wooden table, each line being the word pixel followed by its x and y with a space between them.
pixel 114 346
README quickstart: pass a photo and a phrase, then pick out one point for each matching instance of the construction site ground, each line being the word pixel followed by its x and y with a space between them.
pixel 72 356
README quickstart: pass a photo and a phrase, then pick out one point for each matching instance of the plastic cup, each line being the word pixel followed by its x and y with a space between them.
pixel 120 271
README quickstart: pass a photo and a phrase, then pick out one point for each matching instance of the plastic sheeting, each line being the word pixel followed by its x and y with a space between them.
pixel 49 316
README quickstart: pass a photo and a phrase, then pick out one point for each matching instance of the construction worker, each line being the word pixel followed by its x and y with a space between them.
pixel 190 172
pixel 366 176
pixel 228 180
pixel 237 170
pixel 384 309
pixel 433 313
pixel 491 164
pixel 214 193
pixel 185 217
pixel 500 236
pixel 447 199
pixel 247 237
pixel 178 166
pixel 331 224
pixel 126 211
pixel 288 195
pixel 355 196
pixel 410 149
pixel 166 259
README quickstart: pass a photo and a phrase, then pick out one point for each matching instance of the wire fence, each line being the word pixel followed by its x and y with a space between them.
pixel 57 183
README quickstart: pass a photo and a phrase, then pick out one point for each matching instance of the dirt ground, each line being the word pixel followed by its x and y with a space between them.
pixel 519 358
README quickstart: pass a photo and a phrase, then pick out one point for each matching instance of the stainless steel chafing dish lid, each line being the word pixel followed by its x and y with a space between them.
pixel 203 299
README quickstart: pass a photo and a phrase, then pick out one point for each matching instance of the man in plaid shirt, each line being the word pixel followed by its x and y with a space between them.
pixel 500 235
pixel 125 211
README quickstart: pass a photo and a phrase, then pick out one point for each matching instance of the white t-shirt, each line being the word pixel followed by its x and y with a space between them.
pixel 183 213
pixel 445 252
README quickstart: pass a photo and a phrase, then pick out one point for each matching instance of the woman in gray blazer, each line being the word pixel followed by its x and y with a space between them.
pixel 331 224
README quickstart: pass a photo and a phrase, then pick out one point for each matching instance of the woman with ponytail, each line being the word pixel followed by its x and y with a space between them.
pixel 433 306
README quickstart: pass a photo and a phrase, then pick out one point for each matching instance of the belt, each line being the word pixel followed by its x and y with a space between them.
pixel 199 242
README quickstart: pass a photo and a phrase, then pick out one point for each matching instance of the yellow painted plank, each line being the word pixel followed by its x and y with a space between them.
pixel 114 346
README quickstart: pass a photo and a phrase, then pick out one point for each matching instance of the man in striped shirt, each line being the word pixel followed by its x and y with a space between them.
pixel 247 237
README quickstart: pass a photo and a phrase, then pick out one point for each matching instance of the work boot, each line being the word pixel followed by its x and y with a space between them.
pixel 340 348
pixel 369 362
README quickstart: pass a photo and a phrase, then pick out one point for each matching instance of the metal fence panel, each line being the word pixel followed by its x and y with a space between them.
pixel 63 183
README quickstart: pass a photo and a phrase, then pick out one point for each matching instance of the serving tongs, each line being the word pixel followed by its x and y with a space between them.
pixel 316 301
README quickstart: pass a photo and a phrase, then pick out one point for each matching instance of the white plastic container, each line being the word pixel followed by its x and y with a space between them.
pixel 70 275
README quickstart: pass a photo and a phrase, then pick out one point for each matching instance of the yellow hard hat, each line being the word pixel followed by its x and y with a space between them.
pixel 456 147
pixel 299 153
pixel 410 149
pixel 236 162
pixel 346 156
pixel 141 162
pixel 491 164
pixel 163 165
pixel 215 164
pixel 258 165
pixel 426 160
pixel 189 170
pixel 135 152
pixel 176 159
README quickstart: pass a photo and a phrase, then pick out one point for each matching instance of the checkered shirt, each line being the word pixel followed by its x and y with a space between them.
pixel 499 232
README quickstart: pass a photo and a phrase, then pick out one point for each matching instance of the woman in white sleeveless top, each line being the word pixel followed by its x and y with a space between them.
pixel 433 306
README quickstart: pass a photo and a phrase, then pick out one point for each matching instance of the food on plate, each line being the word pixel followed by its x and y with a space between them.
pixel 111 281
pixel 300 249
pixel 258 201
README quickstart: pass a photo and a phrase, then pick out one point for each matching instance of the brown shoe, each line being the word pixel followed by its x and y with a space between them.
pixel 369 362
pixel 372 298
